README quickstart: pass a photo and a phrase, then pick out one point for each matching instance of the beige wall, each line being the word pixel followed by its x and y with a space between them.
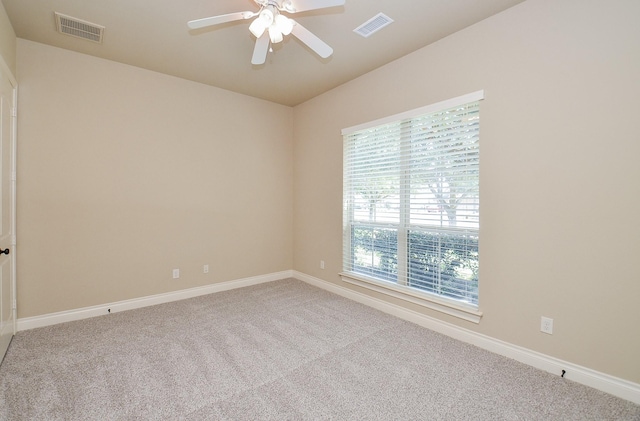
pixel 560 179
pixel 125 174
pixel 7 41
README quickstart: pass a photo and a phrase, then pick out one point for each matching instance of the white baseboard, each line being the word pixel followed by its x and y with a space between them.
pixel 103 309
pixel 615 386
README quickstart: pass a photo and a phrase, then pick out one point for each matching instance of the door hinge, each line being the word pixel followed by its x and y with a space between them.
pixel 14 240
pixel 14 112
pixel 14 176
pixel 15 305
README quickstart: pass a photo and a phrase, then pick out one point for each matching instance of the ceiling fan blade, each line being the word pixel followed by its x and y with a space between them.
pixel 217 20
pixel 295 6
pixel 312 41
pixel 261 49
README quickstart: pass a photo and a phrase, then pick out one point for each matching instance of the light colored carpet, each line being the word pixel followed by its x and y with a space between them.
pixel 282 350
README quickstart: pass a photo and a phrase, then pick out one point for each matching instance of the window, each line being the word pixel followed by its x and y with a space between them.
pixel 412 203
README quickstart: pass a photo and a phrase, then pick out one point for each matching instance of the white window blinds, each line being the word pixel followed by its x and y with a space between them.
pixel 411 199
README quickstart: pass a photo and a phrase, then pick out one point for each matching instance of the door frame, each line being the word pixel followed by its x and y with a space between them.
pixel 14 149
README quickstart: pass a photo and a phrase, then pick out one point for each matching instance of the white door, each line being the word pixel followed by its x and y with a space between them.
pixel 7 207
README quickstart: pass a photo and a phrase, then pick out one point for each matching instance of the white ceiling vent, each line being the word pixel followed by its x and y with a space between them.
pixel 373 25
pixel 79 28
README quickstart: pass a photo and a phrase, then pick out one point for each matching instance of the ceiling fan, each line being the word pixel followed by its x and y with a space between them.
pixel 271 25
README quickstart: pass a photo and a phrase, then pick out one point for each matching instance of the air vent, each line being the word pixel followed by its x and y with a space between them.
pixel 79 28
pixel 373 25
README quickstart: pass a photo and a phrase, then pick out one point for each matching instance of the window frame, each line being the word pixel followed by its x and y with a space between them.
pixel 453 307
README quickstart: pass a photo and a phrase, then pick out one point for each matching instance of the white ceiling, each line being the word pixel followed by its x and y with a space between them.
pixel 153 34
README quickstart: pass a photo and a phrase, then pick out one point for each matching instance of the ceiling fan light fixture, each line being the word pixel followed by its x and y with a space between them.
pixel 257 27
pixel 275 34
pixel 261 23
pixel 284 24
pixel 267 15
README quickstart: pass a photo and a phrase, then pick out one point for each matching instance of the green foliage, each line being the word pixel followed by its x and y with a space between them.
pixel 380 247
pixel 443 264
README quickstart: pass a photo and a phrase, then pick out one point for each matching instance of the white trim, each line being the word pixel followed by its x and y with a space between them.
pixel 609 384
pixel 14 204
pixel 103 309
pixel 405 293
pixel 4 68
pixel 428 109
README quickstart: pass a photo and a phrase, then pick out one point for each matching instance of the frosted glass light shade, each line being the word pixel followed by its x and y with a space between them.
pixel 284 24
pixel 261 23
pixel 275 34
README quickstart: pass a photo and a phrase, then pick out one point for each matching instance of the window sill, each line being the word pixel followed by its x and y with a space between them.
pixel 407 294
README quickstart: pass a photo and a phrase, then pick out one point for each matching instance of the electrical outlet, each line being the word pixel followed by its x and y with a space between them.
pixel 546 325
pixel 205 269
pixel 176 273
pixel 321 264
